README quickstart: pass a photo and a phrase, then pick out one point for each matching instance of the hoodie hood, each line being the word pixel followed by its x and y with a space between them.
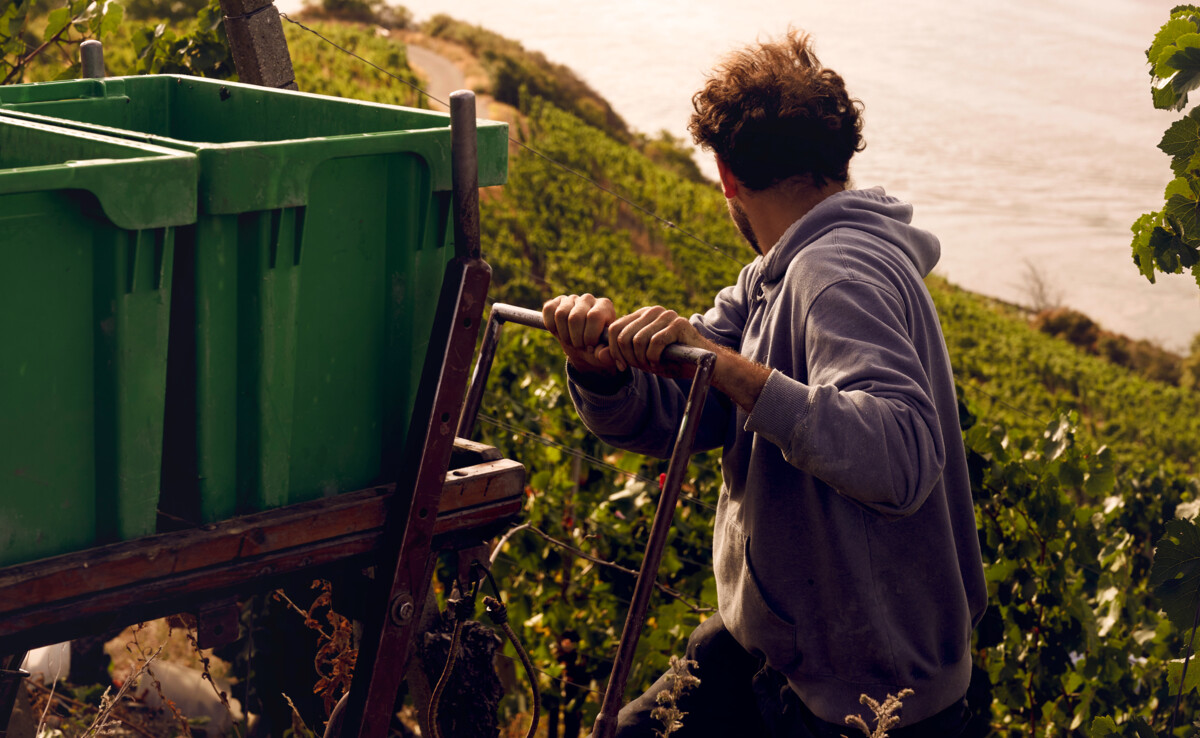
pixel 872 211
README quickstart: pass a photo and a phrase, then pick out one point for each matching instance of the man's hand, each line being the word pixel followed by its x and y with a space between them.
pixel 638 339
pixel 578 321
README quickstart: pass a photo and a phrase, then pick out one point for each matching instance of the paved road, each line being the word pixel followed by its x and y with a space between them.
pixel 441 75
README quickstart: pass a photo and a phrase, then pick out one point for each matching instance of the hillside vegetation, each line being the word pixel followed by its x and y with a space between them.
pixel 1077 463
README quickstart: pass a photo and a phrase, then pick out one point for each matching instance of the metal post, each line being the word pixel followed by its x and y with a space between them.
pixel 91 59
pixel 405 568
pixel 614 696
pixel 464 163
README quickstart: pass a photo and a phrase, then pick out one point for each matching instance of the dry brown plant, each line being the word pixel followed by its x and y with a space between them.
pixel 886 714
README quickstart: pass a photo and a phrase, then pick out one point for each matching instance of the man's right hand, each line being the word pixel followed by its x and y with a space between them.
pixel 578 321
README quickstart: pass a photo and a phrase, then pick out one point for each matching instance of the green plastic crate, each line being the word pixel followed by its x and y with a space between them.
pixel 305 299
pixel 86 251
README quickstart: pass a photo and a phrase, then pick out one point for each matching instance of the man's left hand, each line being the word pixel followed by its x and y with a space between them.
pixel 639 338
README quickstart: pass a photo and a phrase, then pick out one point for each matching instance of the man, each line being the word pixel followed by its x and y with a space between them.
pixel 845 549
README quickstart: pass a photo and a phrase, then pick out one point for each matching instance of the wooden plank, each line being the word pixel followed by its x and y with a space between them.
pixel 131 562
pixel 470 453
pixel 479 484
pixel 172 572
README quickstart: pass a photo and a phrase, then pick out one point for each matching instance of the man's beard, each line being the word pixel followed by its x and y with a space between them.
pixel 742 221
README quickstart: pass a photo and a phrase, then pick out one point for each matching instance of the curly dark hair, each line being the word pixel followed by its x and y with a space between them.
pixel 772 112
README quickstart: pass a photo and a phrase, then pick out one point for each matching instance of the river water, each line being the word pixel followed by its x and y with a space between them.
pixel 1022 131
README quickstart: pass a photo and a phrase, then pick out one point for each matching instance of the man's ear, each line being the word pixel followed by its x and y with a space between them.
pixel 729 183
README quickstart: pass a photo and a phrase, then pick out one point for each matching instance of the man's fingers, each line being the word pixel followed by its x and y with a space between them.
pixel 620 338
pixel 627 331
pixel 637 339
pixel 670 333
pixel 562 315
pixel 660 323
pixel 599 317
pixel 549 310
pixel 577 319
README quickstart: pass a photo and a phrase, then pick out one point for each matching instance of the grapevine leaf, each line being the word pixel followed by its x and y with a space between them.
pixel 13 45
pixel 1175 672
pixel 114 13
pixel 1184 212
pixel 1164 43
pixel 1187 254
pixel 56 21
pixel 1175 574
pixel 1178 186
pixel 71 72
pixel 1103 727
pixel 1101 478
pixel 1165 97
pixel 1187 61
pixel 1143 253
pixel 1057 438
pixel 1182 139
pixel 1143 729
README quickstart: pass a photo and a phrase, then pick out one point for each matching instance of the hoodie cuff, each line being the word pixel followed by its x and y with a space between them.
pixel 781 411
pixel 600 390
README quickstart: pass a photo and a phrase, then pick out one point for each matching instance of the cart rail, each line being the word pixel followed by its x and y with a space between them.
pixel 73 594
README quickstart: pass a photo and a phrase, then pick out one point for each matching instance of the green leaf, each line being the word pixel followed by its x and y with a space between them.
pixel 1175 574
pixel 1057 438
pixel 1182 139
pixel 1142 728
pixel 1143 252
pixel 71 72
pixel 1165 97
pixel 1187 61
pixel 114 13
pixel 1101 478
pixel 1164 43
pixel 1103 727
pixel 1175 673
pixel 1185 211
pixel 56 21
pixel 1179 185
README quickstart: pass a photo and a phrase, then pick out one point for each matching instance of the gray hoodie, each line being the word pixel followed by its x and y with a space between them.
pixel 845 548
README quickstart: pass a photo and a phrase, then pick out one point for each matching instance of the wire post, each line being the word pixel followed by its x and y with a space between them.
pixel 91 59
pixel 464 162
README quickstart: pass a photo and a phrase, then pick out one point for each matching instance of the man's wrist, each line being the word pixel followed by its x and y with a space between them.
pixel 739 378
pixel 598 381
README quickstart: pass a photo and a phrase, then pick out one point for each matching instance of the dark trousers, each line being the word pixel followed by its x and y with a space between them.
pixel 739 696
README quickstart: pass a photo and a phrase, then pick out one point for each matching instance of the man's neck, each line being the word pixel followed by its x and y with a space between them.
pixel 772 212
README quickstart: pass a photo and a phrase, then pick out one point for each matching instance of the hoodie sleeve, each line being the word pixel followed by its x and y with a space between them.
pixel 864 422
pixel 644 414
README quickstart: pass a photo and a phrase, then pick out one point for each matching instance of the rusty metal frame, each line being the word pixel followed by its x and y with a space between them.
pixel 705 363
pixel 406 569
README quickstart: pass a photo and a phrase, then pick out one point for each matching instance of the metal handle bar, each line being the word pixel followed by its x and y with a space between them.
pixel 705 361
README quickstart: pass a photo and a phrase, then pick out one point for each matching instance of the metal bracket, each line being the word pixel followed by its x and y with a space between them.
pixel 218 623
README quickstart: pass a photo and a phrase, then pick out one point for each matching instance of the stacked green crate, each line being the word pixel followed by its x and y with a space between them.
pixel 87 242
pixel 306 292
